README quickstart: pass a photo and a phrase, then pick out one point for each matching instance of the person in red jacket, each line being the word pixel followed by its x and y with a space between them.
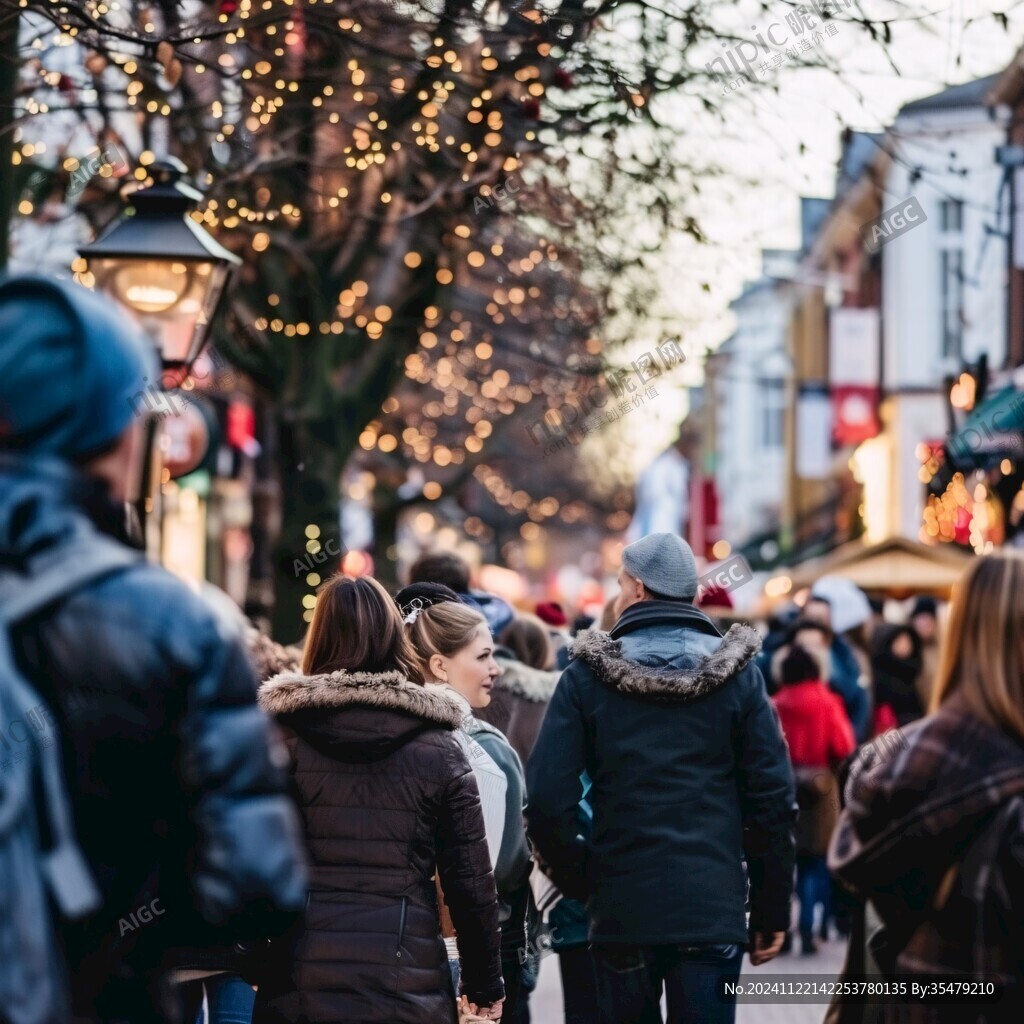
pixel 819 735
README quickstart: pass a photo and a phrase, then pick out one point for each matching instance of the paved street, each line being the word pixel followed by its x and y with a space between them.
pixel 546 1005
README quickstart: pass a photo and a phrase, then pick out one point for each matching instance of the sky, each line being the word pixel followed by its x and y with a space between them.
pixel 779 140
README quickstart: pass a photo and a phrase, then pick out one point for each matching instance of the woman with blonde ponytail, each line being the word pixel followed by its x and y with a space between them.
pixel 454 650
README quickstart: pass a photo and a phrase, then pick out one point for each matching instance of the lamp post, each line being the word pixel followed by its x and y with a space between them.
pixel 156 261
pixel 159 263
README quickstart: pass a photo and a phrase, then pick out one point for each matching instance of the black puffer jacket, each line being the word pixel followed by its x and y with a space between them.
pixel 387 794
pixel 177 796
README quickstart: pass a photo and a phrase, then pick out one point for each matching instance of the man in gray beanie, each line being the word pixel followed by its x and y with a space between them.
pixel 690 778
pixel 174 779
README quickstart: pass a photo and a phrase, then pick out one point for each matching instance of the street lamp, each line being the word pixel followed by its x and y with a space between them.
pixel 156 260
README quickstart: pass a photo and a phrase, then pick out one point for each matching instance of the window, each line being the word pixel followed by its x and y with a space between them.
pixel 951 216
pixel 773 407
pixel 952 271
pixel 951 276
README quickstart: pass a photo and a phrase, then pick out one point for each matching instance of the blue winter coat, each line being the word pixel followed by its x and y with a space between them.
pixel 690 777
pixel 176 793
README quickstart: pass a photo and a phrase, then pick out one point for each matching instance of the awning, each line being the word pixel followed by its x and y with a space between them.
pixel 897 567
pixel 995 429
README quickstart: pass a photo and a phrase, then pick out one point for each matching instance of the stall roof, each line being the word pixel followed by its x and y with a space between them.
pixel 897 567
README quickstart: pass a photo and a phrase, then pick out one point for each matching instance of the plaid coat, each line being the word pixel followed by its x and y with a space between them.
pixel 933 836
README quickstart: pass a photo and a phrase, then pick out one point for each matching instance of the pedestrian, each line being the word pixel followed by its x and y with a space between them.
pixel 850 674
pixel 671 723
pixel 780 625
pixel 819 737
pixel 490 779
pixel 525 684
pixel 452 570
pixel 552 615
pixel 933 828
pixel 386 795
pixel 454 652
pixel 215 976
pixel 896 665
pixel 924 617
pixel 171 770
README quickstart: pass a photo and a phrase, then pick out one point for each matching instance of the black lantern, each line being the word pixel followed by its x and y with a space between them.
pixel 162 265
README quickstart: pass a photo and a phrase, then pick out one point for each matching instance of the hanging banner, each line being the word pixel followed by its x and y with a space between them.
pixel 854 414
pixel 853 347
pixel 813 445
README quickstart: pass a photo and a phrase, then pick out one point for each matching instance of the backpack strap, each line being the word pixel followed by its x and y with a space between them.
pixel 59 574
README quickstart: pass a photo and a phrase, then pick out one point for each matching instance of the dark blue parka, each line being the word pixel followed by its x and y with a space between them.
pixel 170 767
pixel 690 777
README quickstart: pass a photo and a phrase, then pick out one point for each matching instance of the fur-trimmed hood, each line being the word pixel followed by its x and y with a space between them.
pixel 531 684
pixel 663 683
pixel 270 658
pixel 291 692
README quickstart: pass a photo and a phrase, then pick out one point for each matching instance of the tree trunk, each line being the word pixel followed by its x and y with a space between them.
pixel 386 509
pixel 309 472
pixel 10 66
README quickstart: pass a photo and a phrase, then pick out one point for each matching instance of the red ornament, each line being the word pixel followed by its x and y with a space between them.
pixel 531 108
pixel 228 7
pixel 562 79
pixel 66 84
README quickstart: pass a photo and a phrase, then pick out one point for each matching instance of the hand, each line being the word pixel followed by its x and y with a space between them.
pixel 492 1012
pixel 766 947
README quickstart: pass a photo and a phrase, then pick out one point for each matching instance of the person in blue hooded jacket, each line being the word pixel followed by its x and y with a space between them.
pixel 173 774
pixel 690 778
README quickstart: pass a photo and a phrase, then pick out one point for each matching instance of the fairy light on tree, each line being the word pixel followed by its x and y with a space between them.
pixel 346 150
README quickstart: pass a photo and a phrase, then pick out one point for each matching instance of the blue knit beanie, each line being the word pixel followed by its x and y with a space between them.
pixel 70 364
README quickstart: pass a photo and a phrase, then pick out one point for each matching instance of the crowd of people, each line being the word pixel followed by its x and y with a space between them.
pixel 382 824
pixel 840 675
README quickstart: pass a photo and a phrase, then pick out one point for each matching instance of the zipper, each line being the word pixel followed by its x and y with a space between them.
pixel 401 926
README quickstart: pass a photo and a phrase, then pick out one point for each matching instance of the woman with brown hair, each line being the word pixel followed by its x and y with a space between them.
pixel 933 834
pixel 455 653
pixel 386 793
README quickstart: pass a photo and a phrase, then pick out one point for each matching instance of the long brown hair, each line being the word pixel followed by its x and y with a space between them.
pixel 443 628
pixel 982 655
pixel 356 628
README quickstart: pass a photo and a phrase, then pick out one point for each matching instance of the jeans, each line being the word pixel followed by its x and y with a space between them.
pixel 630 981
pixel 579 1000
pixel 229 1000
pixel 813 885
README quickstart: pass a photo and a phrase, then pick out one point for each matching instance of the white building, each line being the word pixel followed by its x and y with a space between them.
pixel 944 281
pixel 750 372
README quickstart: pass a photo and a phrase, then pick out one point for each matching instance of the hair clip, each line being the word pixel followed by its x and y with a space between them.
pixel 417 605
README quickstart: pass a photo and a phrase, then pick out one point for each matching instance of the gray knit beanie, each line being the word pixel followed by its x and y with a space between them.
pixel 664 563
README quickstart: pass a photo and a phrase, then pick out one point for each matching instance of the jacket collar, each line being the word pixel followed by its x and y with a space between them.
pixel 390 691
pixel 663 613
pixel 602 652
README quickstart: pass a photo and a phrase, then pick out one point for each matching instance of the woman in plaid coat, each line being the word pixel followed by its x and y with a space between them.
pixel 933 834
